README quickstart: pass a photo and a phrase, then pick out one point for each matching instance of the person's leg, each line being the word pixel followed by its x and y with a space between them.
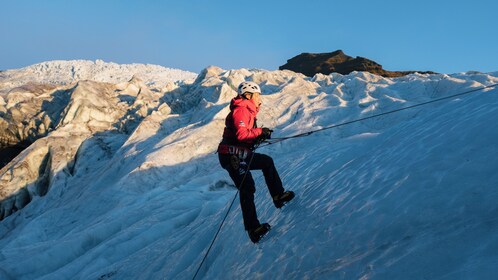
pixel 247 205
pixel 272 179
pixel 246 192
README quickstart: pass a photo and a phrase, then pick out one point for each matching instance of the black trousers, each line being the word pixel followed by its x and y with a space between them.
pixel 242 178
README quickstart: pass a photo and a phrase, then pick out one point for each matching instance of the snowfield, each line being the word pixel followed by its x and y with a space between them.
pixel 131 193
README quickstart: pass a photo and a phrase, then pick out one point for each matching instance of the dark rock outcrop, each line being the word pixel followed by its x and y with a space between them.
pixel 9 153
pixel 310 64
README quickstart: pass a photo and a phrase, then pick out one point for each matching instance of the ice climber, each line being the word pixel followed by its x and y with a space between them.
pixel 236 155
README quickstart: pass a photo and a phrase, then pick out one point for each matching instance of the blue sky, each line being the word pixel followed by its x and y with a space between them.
pixel 443 36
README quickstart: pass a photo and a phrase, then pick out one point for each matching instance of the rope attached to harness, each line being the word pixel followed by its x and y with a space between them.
pixel 277 140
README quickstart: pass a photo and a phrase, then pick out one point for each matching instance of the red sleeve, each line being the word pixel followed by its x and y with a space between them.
pixel 243 123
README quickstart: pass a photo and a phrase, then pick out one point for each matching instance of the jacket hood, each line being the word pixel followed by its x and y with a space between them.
pixel 245 103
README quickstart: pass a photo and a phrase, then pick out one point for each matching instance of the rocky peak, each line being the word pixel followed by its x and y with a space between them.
pixel 310 64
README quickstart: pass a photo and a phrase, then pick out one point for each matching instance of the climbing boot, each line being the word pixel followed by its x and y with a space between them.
pixel 256 234
pixel 282 199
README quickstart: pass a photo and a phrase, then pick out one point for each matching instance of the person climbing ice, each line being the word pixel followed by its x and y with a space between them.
pixel 237 156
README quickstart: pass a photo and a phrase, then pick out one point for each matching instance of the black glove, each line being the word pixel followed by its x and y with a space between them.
pixel 266 134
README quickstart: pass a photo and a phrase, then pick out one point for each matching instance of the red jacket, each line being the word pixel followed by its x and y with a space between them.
pixel 240 124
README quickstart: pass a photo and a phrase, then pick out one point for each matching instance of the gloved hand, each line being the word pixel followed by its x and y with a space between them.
pixel 266 134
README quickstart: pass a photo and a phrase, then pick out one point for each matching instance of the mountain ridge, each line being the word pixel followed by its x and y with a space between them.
pixel 64 72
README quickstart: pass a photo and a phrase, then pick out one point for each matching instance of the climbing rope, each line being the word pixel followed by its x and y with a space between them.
pixel 226 215
pixel 276 140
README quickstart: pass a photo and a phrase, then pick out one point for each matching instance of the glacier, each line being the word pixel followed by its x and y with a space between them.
pixel 126 183
pixel 64 72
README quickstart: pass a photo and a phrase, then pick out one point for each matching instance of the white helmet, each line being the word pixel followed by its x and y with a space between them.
pixel 248 87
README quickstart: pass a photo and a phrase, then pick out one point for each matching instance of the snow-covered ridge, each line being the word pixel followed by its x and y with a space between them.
pixel 62 72
pixel 127 185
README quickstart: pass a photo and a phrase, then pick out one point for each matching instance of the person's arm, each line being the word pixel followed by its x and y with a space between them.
pixel 241 122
